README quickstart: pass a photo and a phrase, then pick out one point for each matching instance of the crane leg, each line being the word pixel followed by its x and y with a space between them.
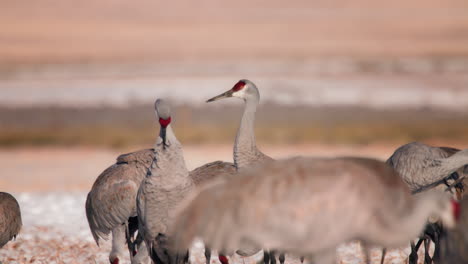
pixel 384 252
pixel 281 258
pixel 436 247
pixel 207 255
pixel 266 257
pixel 272 257
pixel 302 259
pixel 427 257
pixel 413 257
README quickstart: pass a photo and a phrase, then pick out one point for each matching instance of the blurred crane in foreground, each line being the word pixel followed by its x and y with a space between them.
pixel 284 206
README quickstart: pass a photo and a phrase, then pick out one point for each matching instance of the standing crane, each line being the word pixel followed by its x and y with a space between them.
pixel 166 183
pixel 287 206
pixel 245 152
pixel 10 218
pixel 111 206
pixel 422 167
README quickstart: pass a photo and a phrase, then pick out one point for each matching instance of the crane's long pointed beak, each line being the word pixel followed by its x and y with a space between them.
pixel 221 96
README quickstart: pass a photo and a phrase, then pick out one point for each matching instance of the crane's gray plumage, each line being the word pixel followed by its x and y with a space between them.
pixel 245 151
pixel 454 243
pixel 283 205
pixel 212 171
pixel 420 165
pixel 165 185
pixel 10 218
pixel 111 201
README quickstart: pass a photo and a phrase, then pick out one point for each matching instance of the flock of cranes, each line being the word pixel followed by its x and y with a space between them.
pixel 307 206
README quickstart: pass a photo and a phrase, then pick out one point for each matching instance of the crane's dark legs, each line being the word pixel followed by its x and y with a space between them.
pixel 302 259
pixel 272 257
pixel 282 258
pixel 207 255
pixel 427 258
pixel 436 247
pixel 384 252
pixel 266 257
pixel 413 257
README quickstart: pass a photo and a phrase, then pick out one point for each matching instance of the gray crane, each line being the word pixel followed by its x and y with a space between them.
pixel 245 152
pixel 423 167
pixel 166 183
pixel 454 243
pixel 10 218
pixel 284 205
pixel 111 206
pixel 420 165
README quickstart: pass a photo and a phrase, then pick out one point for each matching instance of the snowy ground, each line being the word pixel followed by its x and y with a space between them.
pixel 55 232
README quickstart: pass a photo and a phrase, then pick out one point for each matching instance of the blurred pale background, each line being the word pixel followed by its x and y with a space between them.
pixel 78 79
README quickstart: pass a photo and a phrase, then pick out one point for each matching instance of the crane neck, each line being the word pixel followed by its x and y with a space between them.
pixel 447 166
pixel 169 134
pixel 169 158
pixel 245 147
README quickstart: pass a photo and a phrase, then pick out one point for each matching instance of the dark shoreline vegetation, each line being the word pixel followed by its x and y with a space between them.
pixel 118 127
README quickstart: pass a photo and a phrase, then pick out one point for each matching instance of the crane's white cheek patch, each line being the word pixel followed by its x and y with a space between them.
pixel 239 94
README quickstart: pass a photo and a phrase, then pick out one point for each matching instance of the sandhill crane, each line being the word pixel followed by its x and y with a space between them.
pixel 109 202
pixel 166 183
pixel 283 205
pixel 10 218
pixel 422 166
pixel 111 205
pixel 245 151
pixel 454 243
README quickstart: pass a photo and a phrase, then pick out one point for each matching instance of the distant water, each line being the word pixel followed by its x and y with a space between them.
pixel 303 83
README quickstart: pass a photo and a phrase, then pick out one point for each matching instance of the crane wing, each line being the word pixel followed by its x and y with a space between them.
pixel 210 171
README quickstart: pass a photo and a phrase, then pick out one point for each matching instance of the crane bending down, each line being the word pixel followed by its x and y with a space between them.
pixel 10 218
pixel 282 205
pixel 420 166
pixel 246 153
pixel 166 183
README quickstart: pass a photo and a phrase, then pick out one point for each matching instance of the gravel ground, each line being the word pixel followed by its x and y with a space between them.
pixel 51 187
pixel 56 231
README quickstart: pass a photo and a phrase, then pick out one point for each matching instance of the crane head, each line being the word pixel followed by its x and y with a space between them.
pixel 163 111
pixel 114 260
pixel 243 89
